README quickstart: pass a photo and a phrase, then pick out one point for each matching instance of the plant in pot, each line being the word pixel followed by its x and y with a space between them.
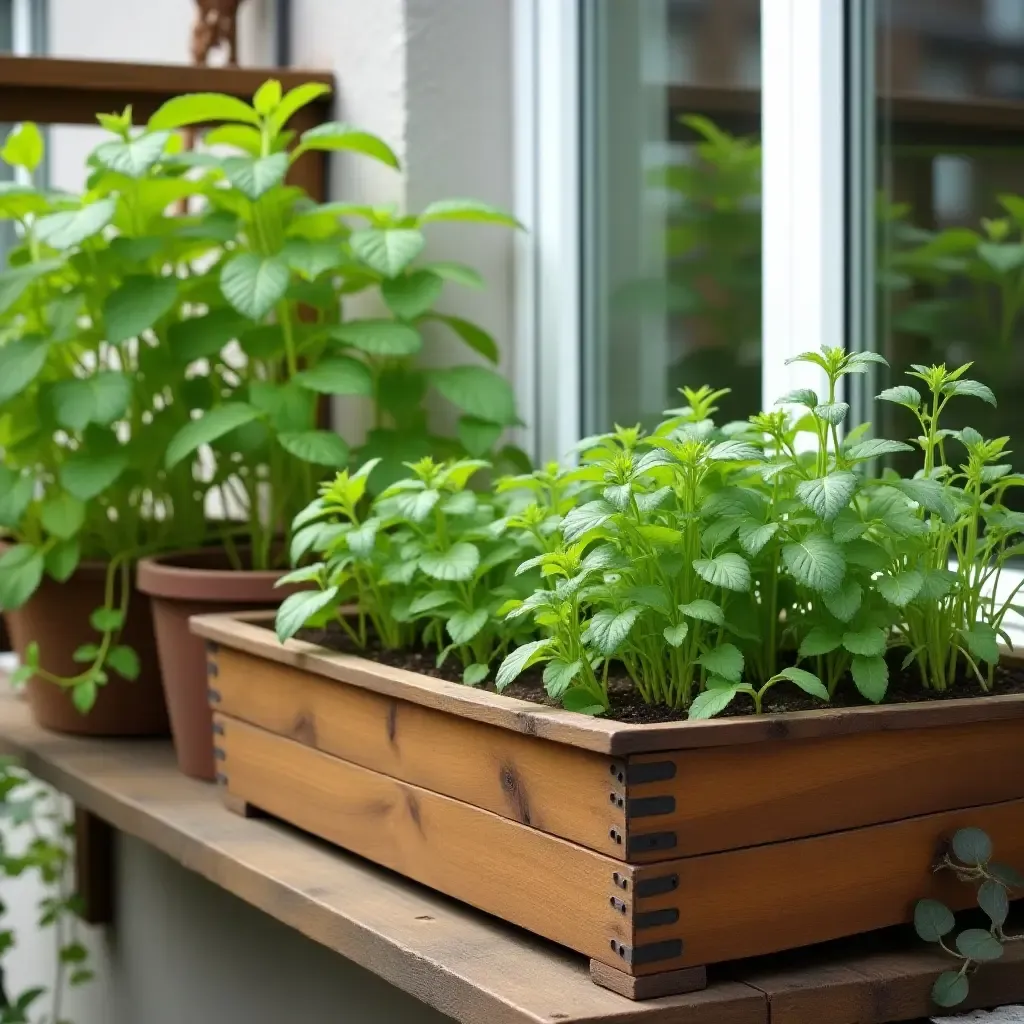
pixel 274 328
pixel 89 398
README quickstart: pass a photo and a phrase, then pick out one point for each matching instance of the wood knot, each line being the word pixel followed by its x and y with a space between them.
pixel 413 806
pixel 392 721
pixel 513 788
pixel 777 729
pixel 304 729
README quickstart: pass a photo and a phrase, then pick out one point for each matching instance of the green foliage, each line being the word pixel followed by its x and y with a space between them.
pixel 37 841
pixel 166 337
pixel 969 857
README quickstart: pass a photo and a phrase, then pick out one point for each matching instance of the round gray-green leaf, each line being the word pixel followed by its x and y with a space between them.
pixel 972 846
pixel 211 425
pixel 950 989
pixel 993 899
pixel 379 337
pixel 932 920
pixel 137 304
pixel 298 609
pixel 21 571
pixel 711 702
pixel 979 944
pixel 254 284
pixel 20 363
pixel 322 447
pixel 457 563
pixel 477 391
pixel 729 571
pixel 387 250
pixel 337 376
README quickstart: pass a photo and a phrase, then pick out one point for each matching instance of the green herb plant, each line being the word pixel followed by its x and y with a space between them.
pixel 37 842
pixel 969 857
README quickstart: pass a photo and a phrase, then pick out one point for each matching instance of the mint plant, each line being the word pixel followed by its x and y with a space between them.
pixel 969 857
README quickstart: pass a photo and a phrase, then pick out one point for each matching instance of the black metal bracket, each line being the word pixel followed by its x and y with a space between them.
pixel 650 842
pixel 649 953
pixel 646 887
pixel 212 695
pixel 649 806
pixel 654 771
pixel 655 918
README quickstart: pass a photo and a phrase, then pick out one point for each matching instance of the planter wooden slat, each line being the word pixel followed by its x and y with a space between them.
pixel 650 863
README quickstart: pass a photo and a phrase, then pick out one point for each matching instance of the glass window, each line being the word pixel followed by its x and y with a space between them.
pixel 671 246
pixel 950 202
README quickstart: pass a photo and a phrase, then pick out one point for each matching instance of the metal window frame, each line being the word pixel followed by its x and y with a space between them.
pixel 805 295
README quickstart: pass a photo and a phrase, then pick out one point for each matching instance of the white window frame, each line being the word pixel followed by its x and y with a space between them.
pixel 804 253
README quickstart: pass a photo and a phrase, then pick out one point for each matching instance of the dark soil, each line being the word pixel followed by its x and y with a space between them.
pixel 626 706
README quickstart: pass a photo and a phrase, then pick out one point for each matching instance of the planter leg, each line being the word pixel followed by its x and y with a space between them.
pixel 649 986
pixel 238 806
pixel 94 867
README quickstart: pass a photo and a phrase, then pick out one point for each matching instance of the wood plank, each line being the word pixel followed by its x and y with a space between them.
pixel 248 633
pixel 57 91
pixel 519 777
pixel 553 888
pixel 767 898
pixel 885 981
pixel 718 799
pixel 94 868
pixel 654 986
pixel 462 962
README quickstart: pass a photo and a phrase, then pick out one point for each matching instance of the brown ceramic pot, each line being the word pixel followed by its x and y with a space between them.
pixel 57 618
pixel 178 586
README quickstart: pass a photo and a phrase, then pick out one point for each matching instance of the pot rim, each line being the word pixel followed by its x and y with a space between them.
pixel 158 576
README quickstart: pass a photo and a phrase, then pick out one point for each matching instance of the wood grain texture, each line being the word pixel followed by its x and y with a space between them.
pixel 766 898
pixel 556 889
pixel 462 962
pixel 248 633
pixel 94 868
pixel 57 91
pixel 731 797
pixel 550 786
pixel 654 986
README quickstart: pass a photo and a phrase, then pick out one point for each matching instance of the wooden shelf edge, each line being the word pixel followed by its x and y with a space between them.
pixel 458 961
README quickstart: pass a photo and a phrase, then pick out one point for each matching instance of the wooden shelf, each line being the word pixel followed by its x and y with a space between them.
pixel 54 91
pixel 463 963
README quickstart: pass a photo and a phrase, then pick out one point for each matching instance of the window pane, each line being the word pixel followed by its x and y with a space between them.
pixel 672 220
pixel 950 160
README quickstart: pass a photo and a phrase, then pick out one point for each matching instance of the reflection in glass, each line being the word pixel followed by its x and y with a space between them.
pixel 672 220
pixel 951 204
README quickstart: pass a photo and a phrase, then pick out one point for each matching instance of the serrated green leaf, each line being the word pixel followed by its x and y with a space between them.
pixel 475 337
pixel 875 449
pixel 817 562
pixel 558 676
pixel 724 661
pixel 820 640
pixel 213 424
pixel 20 364
pixel 608 629
pixel 900 588
pixel 457 563
pixel 137 305
pixel 930 495
pixel 801 396
pixel 253 177
pixel 14 281
pixel 23 146
pixel 518 661
pixel 101 398
pixel 474 675
pixel 844 602
pixel 675 635
pixel 827 496
pixel 478 392
pixel 753 535
pixel 195 108
pixel 320 447
pixel 203 336
pixel 71 227
pixel 62 516
pixel 704 611
pixel 807 681
pixel 335 136
pixel 832 412
pixel 86 476
pixel 132 157
pixel 254 284
pixel 467 210
pixel 463 625
pixel 387 250
pixel 711 702
pixel 338 375
pixel 970 388
pixel 982 643
pixel 379 337
pixel 21 572
pixel 299 608
pixel 728 571
pixel 869 641
pixel 412 294
pixel 62 560
pixel 902 395
pixel 871 676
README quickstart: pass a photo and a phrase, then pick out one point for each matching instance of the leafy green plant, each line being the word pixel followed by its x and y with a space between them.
pixel 162 373
pixel 37 842
pixel 969 858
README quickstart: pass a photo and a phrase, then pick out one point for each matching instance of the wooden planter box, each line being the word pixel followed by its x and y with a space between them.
pixel 654 850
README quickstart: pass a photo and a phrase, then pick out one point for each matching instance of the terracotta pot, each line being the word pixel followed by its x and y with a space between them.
pixel 57 618
pixel 195 583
